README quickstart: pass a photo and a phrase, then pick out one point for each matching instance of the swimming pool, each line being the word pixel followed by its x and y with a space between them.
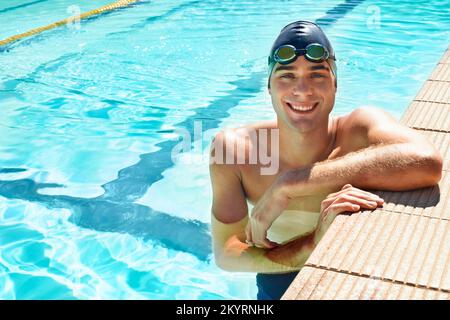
pixel 91 204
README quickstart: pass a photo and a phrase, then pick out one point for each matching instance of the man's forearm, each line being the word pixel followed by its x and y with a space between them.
pixel 285 258
pixel 294 253
pixel 394 167
pixel 237 256
pixel 231 253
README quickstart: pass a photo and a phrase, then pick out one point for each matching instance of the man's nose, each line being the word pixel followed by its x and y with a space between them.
pixel 302 87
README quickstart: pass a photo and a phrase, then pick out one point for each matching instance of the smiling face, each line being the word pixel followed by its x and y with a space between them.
pixel 303 93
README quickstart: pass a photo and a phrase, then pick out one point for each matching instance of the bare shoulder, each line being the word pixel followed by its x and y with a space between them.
pixel 224 144
pixel 373 125
pixel 362 118
pixel 235 142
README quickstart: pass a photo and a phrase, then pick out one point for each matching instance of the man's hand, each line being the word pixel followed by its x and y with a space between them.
pixel 349 199
pixel 264 213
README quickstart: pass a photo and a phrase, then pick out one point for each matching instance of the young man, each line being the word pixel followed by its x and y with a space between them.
pixel 323 165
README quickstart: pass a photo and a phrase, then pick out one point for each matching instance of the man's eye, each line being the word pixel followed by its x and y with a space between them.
pixel 317 75
pixel 287 76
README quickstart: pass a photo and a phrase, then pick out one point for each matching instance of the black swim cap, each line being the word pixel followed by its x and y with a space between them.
pixel 300 34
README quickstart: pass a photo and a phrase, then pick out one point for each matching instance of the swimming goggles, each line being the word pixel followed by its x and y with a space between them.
pixel 314 52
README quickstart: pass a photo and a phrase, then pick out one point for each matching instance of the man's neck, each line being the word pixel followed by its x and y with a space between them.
pixel 302 149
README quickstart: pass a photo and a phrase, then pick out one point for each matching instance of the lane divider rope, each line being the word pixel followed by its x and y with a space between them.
pixel 79 17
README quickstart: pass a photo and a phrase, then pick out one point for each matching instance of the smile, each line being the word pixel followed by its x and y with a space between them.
pixel 302 108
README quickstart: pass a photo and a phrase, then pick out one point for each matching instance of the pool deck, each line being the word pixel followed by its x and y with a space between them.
pixel 400 251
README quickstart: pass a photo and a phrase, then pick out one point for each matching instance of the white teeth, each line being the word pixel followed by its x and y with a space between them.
pixel 302 108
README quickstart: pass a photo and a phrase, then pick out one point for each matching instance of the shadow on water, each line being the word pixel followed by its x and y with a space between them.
pixel 124 217
pixel 336 13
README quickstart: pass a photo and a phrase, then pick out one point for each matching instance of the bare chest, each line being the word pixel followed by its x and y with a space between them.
pixel 255 184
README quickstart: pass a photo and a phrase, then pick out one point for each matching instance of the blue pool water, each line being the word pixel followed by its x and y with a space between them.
pixel 91 204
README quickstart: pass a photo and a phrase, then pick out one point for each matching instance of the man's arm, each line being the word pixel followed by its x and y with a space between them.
pixel 231 253
pixel 397 158
pixel 228 221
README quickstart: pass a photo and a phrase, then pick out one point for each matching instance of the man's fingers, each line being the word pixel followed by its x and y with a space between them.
pixel 366 203
pixel 248 236
pixel 262 241
pixel 251 244
pixel 338 208
pixel 259 238
pixel 355 193
pixel 360 193
pixel 366 195
pixel 349 199
pixel 248 233
pixel 349 187
pixel 265 243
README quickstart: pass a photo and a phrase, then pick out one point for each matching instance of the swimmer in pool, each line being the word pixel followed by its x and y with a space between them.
pixel 324 165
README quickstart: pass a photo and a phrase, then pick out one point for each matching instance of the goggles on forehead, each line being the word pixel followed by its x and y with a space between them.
pixel 314 52
pixel 286 54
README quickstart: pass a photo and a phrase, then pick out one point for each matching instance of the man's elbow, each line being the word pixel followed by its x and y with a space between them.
pixel 223 263
pixel 433 168
pixel 220 258
pixel 219 261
